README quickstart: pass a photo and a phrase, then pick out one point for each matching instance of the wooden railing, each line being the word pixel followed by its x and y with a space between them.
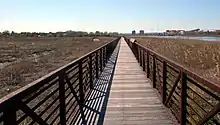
pixel 58 97
pixel 191 98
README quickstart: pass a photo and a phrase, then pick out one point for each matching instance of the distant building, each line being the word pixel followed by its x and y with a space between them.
pixel 182 32
pixel 133 32
pixel 175 32
pixel 141 32
pixel 195 30
pixel 49 34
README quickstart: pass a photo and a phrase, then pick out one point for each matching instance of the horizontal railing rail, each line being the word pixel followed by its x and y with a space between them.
pixel 191 98
pixel 58 97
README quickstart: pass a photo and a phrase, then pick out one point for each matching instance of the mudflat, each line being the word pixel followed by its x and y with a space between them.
pixel 25 59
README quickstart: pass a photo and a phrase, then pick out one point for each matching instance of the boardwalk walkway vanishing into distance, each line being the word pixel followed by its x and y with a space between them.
pixel 119 83
pixel 132 99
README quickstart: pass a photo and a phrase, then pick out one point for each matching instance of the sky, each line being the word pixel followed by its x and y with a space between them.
pixel 108 15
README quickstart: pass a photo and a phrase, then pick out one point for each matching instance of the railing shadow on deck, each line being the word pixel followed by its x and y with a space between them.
pixel 76 93
pixel 97 99
pixel 191 98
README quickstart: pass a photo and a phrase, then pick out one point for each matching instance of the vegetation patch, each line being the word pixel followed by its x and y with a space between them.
pixel 202 57
pixel 25 59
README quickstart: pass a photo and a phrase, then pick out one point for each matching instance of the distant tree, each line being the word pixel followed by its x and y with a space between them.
pixel 105 33
pixel 54 34
pixel 42 34
pixel 97 33
pixel 23 33
pixel 6 33
pixel 29 34
pixel 83 33
pixel 101 34
pixel 33 34
pixel 12 33
pixel 115 33
pixel 91 34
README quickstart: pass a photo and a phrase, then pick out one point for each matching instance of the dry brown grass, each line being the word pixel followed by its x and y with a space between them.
pixel 23 60
pixel 202 57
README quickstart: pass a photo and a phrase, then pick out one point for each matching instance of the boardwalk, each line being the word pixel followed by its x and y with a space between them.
pixel 132 99
pixel 107 86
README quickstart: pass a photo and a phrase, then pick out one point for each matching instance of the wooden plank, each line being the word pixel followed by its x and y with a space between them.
pixel 132 99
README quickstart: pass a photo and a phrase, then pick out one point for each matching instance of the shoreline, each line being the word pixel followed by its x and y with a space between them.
pixel 197 38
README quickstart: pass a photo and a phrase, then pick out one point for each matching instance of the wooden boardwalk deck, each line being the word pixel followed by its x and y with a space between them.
pixel 132 99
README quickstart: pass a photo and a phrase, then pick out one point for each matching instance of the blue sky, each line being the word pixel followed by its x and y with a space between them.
pixel 108 15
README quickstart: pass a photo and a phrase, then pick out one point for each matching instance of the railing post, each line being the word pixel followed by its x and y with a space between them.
pixel 107 52
pixel 90 71
pixel 140 57
pixel 135 49
pixel 105 57
pixel 183 97
pixel 101 60
pixel 148 64
pixel 62 98
pixel 9 116
pixel 164 88
pixel 143 60
pixel 154 71
pixel 96 65
pixel 81 92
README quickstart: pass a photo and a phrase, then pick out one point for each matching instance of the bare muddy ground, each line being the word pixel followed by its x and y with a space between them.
pixel 23 60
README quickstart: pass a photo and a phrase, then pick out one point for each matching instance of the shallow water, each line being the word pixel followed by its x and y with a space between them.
pixel 204 38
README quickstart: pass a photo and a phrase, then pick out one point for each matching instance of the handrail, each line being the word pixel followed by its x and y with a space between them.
pixel 44 100
pixel 47 76
pixel 202 80
pixel 190 97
